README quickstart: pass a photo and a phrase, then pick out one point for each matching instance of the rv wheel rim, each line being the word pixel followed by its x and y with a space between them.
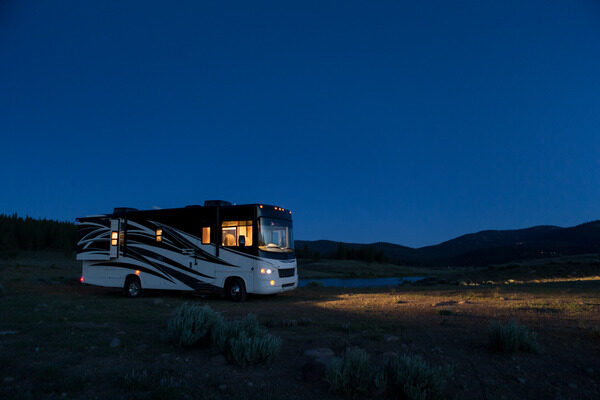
pixel 133 289
pixel 235 289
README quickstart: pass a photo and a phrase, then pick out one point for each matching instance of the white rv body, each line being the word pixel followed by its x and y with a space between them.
pixel 165 249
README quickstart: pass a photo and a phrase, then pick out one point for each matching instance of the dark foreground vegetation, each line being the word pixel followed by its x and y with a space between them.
pixel 525 335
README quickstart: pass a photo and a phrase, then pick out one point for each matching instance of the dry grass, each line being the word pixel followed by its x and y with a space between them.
pixel 67 328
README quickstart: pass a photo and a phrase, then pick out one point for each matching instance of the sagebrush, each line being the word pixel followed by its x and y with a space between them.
pixel 511 337
pixel 243 341
pixel 246 342
pixel 352 374
pixel 192 324
pixel 412 378
pixel 248 350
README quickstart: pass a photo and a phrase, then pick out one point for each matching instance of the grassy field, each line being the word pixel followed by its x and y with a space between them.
pixel 56 335
pixel 359 269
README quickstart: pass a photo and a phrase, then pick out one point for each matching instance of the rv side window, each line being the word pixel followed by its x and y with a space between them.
pixel 232 230
pixel 206 235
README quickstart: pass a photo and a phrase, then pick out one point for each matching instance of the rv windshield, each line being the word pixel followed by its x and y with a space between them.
pixel 275 235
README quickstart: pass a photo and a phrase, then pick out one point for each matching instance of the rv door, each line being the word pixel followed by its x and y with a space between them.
pixel 114 238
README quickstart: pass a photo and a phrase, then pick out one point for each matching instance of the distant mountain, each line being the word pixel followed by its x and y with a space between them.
pixel 481 248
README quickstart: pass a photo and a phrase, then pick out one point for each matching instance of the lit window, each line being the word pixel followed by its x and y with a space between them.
pixel 206 235
pixel 114 238
pixel 232 230
pixel 159 235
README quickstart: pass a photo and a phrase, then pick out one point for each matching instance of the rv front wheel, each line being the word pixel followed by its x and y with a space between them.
pixel 133 287
pixel 236 290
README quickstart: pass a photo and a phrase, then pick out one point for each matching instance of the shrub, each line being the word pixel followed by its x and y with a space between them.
pixel 247 326
pixel 2 290
pixel 352 374
pixel 192 324
pixel 158 384
pixel 248 350
pixel 511 337
pixel 412 378
pixel 245 341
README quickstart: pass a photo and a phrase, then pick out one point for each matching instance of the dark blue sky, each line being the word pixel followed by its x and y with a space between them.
pixel 408 122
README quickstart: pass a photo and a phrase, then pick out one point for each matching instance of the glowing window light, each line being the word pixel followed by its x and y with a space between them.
pixel 114 238
pixel 159 235
pixel 206 235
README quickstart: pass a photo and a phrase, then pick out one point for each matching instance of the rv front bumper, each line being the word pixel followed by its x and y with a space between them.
pixel 275 285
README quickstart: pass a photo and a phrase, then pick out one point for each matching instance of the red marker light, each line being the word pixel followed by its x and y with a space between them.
pixel 81 279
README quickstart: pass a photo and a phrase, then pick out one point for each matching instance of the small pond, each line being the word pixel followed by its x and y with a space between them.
pixel 360 282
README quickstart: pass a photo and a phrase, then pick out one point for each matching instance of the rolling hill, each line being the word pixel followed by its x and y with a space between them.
pixel 481 248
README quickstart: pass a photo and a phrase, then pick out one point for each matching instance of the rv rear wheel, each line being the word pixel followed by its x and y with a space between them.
pixel 236 290
pixel 133 287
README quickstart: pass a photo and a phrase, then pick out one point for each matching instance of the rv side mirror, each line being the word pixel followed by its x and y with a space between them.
pixel 242 241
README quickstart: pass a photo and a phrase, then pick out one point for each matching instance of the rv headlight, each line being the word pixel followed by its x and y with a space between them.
pixel 266 271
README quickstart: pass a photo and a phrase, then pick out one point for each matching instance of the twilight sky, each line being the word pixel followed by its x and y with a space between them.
pixel 407 122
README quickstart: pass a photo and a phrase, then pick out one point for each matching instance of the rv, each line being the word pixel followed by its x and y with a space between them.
pixel 215 248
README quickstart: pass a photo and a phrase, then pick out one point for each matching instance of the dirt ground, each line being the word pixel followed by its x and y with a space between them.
pixel 56 336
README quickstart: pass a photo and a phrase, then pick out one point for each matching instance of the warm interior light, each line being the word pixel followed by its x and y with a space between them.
pixel 114 235
pixel 159 235
pixel 137 272
pixel 232 230
pixel 290 212
pixel 206 235
pixel 260 206
pixel 272 283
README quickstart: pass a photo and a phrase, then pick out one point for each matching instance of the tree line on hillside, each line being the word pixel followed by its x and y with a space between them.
pixel 363 253
pixel 23 234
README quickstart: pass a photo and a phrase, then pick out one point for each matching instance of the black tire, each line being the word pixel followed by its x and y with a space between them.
pixel 133 287
pixel 236 290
